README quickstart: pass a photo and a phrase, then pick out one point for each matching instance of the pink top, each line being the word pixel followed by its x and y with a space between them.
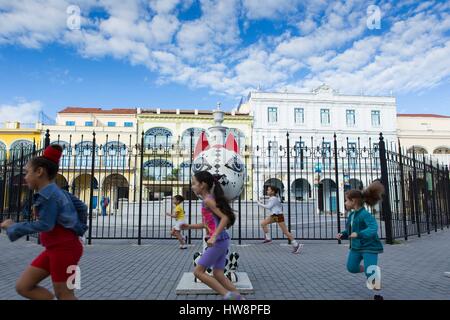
pixel 211 221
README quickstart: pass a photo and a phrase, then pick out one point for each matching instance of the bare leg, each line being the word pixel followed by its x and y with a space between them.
pixel 27 284
pixel 224 281
pixel 285 231
pixel 62 292
pixel 199 272
pixel 265 223
pixel 179 237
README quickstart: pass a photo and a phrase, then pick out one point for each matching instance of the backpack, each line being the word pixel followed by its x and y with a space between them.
pixel 82 212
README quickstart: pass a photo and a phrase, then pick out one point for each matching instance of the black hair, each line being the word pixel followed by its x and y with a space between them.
pixel 275 189
pixel 221 202
pixel 179 198
pixel 50 167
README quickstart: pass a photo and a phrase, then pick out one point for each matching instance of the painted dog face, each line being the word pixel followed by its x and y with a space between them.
pixel 222 161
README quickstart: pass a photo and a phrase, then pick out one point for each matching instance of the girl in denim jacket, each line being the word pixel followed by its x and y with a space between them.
pixel 59 226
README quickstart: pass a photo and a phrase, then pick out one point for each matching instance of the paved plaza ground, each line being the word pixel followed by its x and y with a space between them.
pixel 113 269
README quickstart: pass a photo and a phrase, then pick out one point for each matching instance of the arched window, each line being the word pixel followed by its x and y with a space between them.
pixel 18 145
pixel 417 150
pixel 2 151
pixel 157 169
pixel 67 152
pixel 186 137
pixel 184 173
pixel 441 150
pixel 84 154
pixel 114 154
pixel 158 138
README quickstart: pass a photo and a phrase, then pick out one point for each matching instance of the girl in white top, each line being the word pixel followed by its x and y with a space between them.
pixel 276 209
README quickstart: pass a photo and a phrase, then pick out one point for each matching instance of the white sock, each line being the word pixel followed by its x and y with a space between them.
pixel 267 235
pixel 294 242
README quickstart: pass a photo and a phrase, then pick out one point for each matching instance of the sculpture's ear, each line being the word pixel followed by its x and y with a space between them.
pixel 202 144
pixel 231 143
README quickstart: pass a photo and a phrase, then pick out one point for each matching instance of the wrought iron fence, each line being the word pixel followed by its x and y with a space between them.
pixel 128 187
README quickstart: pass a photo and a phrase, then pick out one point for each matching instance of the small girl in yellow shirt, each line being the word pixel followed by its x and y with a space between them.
pixel 180 220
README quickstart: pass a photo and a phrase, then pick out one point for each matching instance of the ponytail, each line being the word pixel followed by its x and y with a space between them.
pixel 223 204
pixel 371 195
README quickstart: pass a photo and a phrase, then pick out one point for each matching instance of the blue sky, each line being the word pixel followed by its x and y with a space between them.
pixel 195 53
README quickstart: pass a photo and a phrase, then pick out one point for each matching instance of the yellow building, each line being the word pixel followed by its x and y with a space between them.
pixel 116 154
pixel 166 135
pixel 15 135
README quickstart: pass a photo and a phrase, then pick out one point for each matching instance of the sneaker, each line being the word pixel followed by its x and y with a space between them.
pixel 233 296
pixel 267 241
pixel 296 249
pixel 378 297
pixel 183 247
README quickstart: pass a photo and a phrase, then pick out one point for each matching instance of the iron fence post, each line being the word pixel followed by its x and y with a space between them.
pixel 386 205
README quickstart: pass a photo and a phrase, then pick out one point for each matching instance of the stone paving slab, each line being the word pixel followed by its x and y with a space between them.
pixel 121 269
pixel 187 285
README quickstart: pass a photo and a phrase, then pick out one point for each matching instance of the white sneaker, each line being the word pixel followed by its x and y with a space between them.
pixel 296 249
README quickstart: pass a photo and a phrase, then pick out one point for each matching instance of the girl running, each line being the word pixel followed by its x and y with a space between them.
pixel 217 215
pixel 180 220
pixel 276 209
pixel 362 231
pixel 60 228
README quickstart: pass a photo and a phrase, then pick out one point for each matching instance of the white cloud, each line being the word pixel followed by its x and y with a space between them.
pixel 414 55
pixel 331 43
pixel 32 23
pixel 23 111
pixel 164 6
pixel 269 9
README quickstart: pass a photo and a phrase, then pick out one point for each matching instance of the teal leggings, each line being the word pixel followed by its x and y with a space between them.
pixel 354 261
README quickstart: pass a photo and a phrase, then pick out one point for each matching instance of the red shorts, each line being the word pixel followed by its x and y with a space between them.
pixel 56 260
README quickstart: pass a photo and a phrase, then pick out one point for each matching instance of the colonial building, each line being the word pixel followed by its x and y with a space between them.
pixel 426 134
pixel 312 119
pixel 112 165
pixel 111 156
pixel 16 136
pixel 167 144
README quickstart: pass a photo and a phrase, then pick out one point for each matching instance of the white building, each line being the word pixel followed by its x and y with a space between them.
pixel 427 134
pixel 311 120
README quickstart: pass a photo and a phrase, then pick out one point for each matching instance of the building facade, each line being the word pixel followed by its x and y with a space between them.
pixel 426 134
pixel 108 165
pixel 16 136
pixel 166 136
pixel 312 120
pixel 111 167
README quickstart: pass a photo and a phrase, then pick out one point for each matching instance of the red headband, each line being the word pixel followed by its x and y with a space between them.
pixel 52 154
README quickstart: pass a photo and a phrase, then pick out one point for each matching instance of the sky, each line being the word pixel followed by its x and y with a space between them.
pixel 195 53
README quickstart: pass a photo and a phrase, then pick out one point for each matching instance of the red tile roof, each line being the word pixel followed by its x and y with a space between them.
pixel 426 115
pixel 98 110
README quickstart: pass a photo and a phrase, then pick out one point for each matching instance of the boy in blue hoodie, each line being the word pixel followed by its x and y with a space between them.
pixel 362 231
